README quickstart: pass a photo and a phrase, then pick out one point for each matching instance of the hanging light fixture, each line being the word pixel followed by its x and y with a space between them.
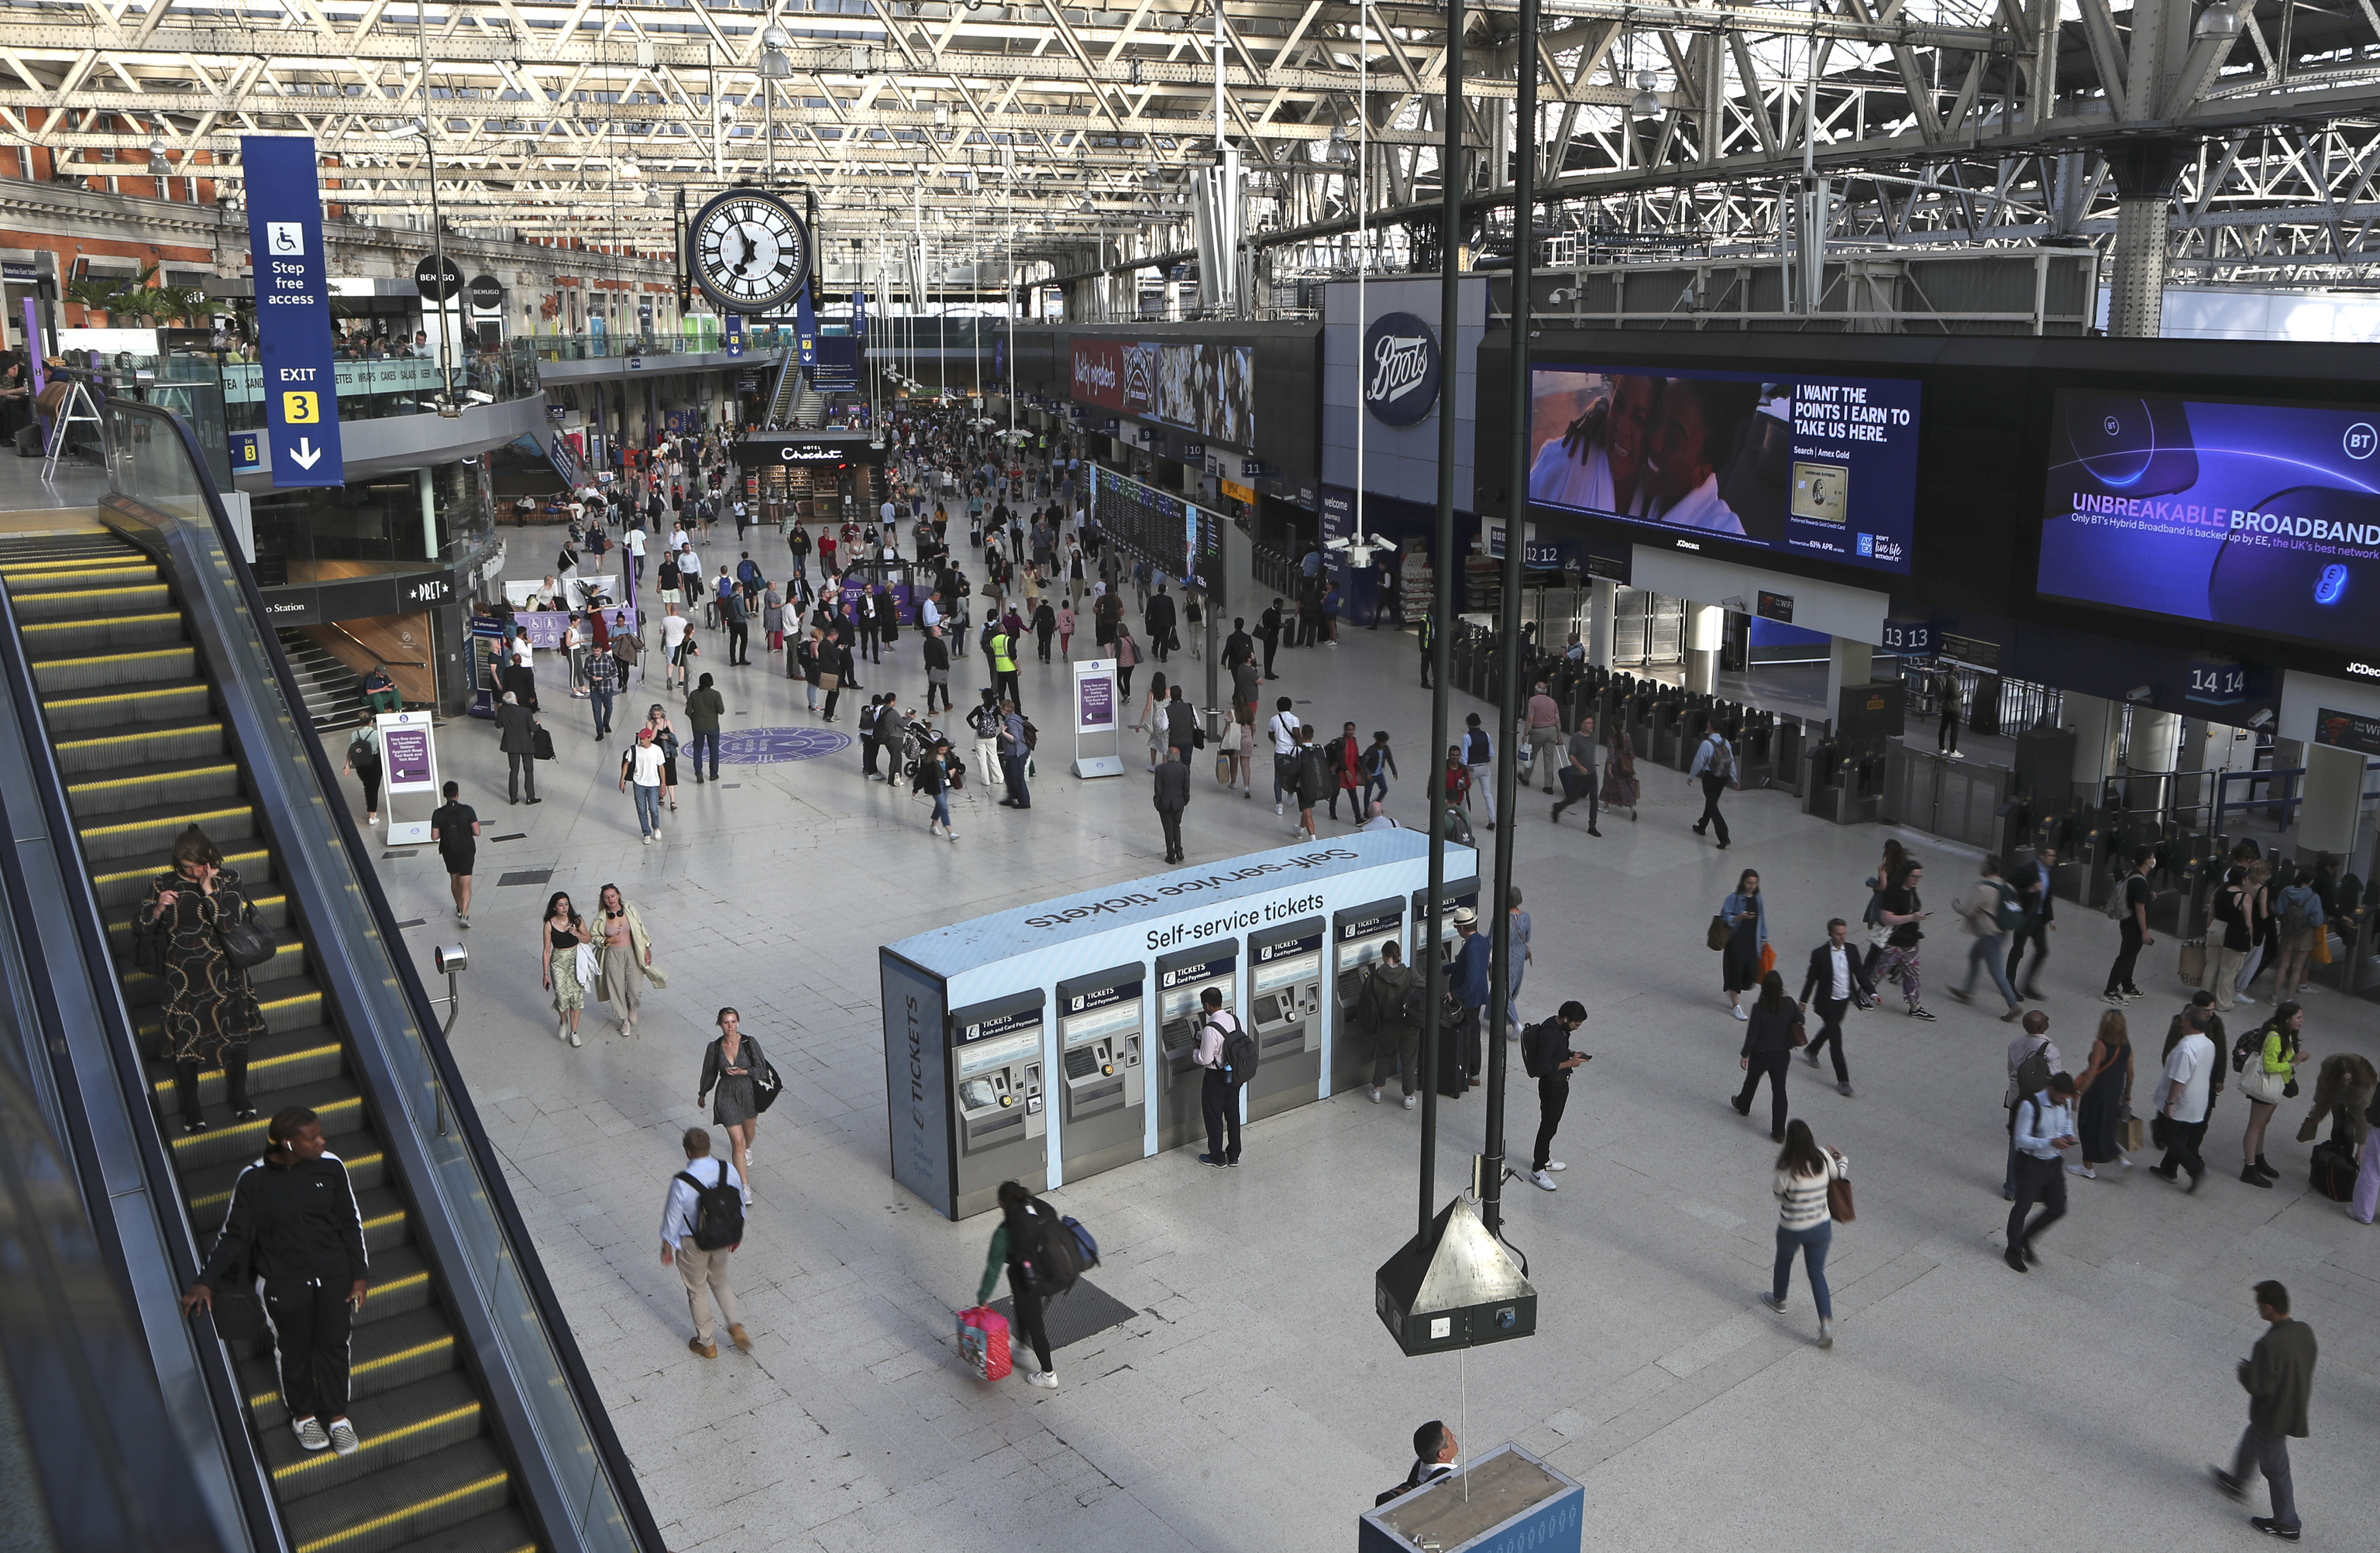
pixel 2217 22
pixel 775 64
pixel 1647 103
pixel 158 165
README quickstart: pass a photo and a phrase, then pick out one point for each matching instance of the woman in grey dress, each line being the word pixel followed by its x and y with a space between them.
pixel 729 1066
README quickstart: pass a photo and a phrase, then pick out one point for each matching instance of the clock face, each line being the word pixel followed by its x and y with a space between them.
pixel 749 251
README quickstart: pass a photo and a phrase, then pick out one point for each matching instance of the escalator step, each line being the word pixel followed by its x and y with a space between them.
pixel 508 1531
pixel 276 1063
pixel 288 960
pixel 36 603
pixel 294 1009
pixel 164 701
pixel 143 743
pixel 207 1188
pixel 51 639
pixel 101 670
pixel 403 1424
pixel 190 782
pixel 379 1514
pixel 335 1101
pixel 272 910
pixel 148 834
pixel 121 889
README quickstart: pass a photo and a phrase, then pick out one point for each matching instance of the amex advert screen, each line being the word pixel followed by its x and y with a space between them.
pixel 1808 464
pixel 2265 517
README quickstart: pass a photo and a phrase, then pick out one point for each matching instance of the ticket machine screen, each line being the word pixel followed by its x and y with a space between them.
pixel 996 1071
pixel 1100 1027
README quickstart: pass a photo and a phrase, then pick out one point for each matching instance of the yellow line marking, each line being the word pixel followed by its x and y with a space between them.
pixel 390 1437
pixel 32 625
pixel 129 693
pixel 164 1087
pixel 273 1394
pixel 216 768
pixel 201 817
pixel 339 1110
pixel 418 1507
pixel 214 1200
pixel 158 731
pixel 242 861
pixel 183 651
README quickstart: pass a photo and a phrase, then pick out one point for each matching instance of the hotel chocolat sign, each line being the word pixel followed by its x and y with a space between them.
pixel 1401 366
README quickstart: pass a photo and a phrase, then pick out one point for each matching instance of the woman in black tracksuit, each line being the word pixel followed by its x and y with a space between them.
pixel 293 1222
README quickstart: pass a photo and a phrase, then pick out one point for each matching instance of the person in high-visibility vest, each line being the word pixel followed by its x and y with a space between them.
pixel 1004 665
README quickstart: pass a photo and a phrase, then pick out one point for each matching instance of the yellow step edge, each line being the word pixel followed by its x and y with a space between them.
pixel 144 1025
pixel 291 1470
pixel 111 595
pixel 213 1201
pixel 124 925
pixel 232 859
pixel 255 1129
pixel 34 625
pixel 183 651
pixel 140 778
pixel 152 730
pixel 77 565
pixel 267 1397
pixel 361 1528
pixel 130 692
pixel 164 1088
pixel 196 819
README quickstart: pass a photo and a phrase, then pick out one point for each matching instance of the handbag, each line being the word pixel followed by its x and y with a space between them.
pixel 2192 969
pixel 766 1086
pixel 247 945
pixel 1717 936
pixel 1879 936
pixel 1839 1193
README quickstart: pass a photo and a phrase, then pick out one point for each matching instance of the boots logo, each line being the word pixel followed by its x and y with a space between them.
pixel 1401 368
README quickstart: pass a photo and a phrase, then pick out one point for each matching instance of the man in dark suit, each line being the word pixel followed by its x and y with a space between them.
pixel 1159 618
pixel 1836 977
pixel 2032 885
pixel 1172 795
pixel 1269 632
pixel 2279 1377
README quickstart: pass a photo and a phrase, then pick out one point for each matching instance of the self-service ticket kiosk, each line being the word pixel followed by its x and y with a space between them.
pixel 1100 1032
pixel 1182 977
pixel 1458 892
pixel 1356 935
pixel 1285 1014
pixel 997 1094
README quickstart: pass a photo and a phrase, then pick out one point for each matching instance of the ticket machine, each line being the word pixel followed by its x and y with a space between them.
pixel 1182 977
pixel 997 1097
pixel 1100 1031
pixel 1356 935
pixel 1285 1016
pixel 1458 892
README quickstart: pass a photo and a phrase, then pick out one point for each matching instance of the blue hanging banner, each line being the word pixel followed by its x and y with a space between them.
pixel 806 327
pixel 293 311
pixel 858 314
pixel 735 327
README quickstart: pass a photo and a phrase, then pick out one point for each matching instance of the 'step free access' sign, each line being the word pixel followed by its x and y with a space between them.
pixel 293 311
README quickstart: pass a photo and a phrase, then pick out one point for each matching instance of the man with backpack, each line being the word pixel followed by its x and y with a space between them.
pixel 1992 910
pixel 1545 1056
pixel 1228 1055
pixel 1390 1004
pixel 702 1225
pixel 1715 768
pixel 2030 1059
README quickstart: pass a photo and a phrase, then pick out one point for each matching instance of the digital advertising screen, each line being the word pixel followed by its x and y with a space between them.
pixel 1202 387
pixel 1815 465
pixel 2262 516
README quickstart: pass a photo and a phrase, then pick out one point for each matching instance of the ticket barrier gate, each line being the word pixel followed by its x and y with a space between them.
pixel 1285 1014
pixel 1100 1031
pixel 1182 977
pixel 996 1081
pixel 1356 935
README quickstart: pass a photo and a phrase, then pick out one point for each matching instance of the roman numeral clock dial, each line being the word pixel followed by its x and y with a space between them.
pixel 749 251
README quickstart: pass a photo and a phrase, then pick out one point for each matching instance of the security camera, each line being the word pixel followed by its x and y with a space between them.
pixel 451 958
pixel 2140 693
pixel 2263 718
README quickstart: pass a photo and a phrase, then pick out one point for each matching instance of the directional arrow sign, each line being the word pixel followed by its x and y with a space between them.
pixel 293 314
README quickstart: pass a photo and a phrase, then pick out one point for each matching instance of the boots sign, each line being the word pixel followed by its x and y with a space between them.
pixel 1401 369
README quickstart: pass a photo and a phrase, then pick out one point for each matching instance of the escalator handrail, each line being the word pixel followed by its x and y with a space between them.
pixel 249 1473
pixel 611 1456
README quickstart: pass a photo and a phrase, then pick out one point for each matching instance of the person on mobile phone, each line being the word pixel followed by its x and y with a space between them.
pixel 294 1224
pixel 1546 1057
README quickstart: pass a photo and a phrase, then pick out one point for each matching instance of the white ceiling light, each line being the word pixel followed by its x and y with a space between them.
pixel 1647 103
pixel 2218 21
pixel 157 162
pixel 775 63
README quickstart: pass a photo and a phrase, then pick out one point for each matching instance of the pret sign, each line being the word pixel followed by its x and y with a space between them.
pixel 1401 369
pixel 293 311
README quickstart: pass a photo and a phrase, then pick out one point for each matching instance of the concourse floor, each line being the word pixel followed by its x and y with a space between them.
pixel 1254 1401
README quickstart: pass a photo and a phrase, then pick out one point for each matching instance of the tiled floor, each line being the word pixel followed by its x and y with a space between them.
pixel 1254 1402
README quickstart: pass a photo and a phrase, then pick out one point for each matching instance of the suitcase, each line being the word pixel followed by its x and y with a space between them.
pixel 983 1341
pixel 2334 1172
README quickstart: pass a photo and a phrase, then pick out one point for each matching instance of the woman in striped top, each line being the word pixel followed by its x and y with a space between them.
pixel 1802 1221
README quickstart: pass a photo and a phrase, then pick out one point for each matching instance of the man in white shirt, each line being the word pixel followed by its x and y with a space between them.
pixel 641 770
pixel 2045 1124
pixel 1219 1096
pixel 2035 1038
pixel 1714 767
pixel 2184 1098
pixel 700 1269
pixel 1836 977
pixel 1283 731
pixel 635 540
pixel 1377 818
pixel 674 627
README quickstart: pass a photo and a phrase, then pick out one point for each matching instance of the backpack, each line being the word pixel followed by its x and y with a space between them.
pixel 2032 1071
pixel 2117 907
pixel 1416 1001
pixel 1533 1041
pixel 1722 761
pixel 2007 912
pixel 2248 1043
pixel 2295 918
pixel 1239 1055
pixel 718 1211
pixel 1063 1251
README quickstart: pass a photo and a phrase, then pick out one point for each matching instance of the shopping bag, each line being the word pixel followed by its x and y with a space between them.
pixel 2194 962
pixel 1767 959
pixel 2132 1135
pixel 983 1341
pixel 2321 946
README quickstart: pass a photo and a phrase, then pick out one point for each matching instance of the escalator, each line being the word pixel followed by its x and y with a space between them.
pixel 163 706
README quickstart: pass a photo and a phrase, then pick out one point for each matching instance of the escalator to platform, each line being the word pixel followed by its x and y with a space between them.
pixel 133 718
